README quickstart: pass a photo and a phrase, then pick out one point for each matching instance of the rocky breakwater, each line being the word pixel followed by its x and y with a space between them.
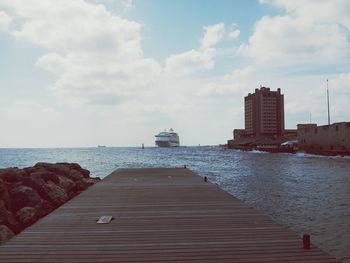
pixel 28 194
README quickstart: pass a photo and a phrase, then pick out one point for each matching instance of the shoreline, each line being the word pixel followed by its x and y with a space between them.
pixel 292 151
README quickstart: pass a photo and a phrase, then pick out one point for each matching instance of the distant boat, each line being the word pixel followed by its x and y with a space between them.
pixel 286 147
pixel 101 146
pixel 167 139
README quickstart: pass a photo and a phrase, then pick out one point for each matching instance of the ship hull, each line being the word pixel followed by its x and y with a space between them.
pixel 167 144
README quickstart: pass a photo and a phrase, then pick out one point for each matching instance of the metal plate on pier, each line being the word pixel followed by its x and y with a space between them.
pixel 104 220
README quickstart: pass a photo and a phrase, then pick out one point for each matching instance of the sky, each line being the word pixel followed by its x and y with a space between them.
pixel 82 73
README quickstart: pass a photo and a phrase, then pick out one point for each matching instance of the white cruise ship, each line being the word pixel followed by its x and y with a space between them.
pixel 167 139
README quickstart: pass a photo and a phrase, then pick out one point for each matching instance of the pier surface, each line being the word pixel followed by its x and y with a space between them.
pixel 159 215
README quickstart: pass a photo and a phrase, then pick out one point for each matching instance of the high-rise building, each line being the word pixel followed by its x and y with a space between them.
pixel 264 113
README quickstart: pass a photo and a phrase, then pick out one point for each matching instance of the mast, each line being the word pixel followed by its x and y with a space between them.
pixel 329 117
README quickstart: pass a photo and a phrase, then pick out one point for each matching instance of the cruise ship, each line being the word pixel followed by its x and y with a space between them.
pixel 167 139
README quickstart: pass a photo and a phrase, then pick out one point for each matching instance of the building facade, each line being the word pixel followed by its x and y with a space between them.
pixel 325 139
pixel 264 113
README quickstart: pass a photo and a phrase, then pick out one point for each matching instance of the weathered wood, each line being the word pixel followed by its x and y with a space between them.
pixel 160 215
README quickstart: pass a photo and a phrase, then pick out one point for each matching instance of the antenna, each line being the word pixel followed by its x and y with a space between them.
pixel 329 116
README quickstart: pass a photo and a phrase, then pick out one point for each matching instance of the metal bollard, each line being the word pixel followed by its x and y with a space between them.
pixel 306 241
pixel 205 179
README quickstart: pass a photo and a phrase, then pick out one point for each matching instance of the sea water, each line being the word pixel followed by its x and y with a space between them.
pixel 305 192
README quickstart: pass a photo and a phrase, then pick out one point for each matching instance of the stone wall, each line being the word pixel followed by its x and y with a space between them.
pixel 326 139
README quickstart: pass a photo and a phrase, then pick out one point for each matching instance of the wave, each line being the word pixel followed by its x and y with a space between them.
pixel 303 154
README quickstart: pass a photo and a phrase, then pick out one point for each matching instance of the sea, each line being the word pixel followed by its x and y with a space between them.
pixel 308 193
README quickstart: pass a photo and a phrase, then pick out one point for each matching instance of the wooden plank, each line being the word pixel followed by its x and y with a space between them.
pixel 161 215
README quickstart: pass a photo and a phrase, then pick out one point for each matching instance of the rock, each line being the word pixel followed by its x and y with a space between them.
pixel 36 182
pixel 67 184
pixel 50 177
pixel 45 209
pixel 28 194
pixel 91 181
pixel 22 196
pixel 12 175
pixel 75 175
pixel 81 186
pixel 8 219
pixel 4 195
pixel 27 216
pixel 5 234
pixel 54 168
pixel 77 167
pixel 57 195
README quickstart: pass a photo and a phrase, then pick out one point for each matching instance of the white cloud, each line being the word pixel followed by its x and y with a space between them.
pixel 213 34
pixel 190 62
pixel 128 5
pixel 76 25
pixel 5 21
pixel 233 31
pixel 309 33
pixel 52 62
pixel 232 84
pixel 193 61
pixel 98 78
pixel 22 120
pixel 340 97
pixel 94 54
pixel 336 11
pixel 234 34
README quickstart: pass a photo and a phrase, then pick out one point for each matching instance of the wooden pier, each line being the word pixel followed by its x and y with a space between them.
pixel 159 215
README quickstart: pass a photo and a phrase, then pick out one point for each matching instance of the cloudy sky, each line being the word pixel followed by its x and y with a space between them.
pixel 116 72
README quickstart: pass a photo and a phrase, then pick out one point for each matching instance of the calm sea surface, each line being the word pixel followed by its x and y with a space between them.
pixel 307 193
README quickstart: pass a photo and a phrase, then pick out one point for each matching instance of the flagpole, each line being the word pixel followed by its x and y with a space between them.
pixel 329 117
